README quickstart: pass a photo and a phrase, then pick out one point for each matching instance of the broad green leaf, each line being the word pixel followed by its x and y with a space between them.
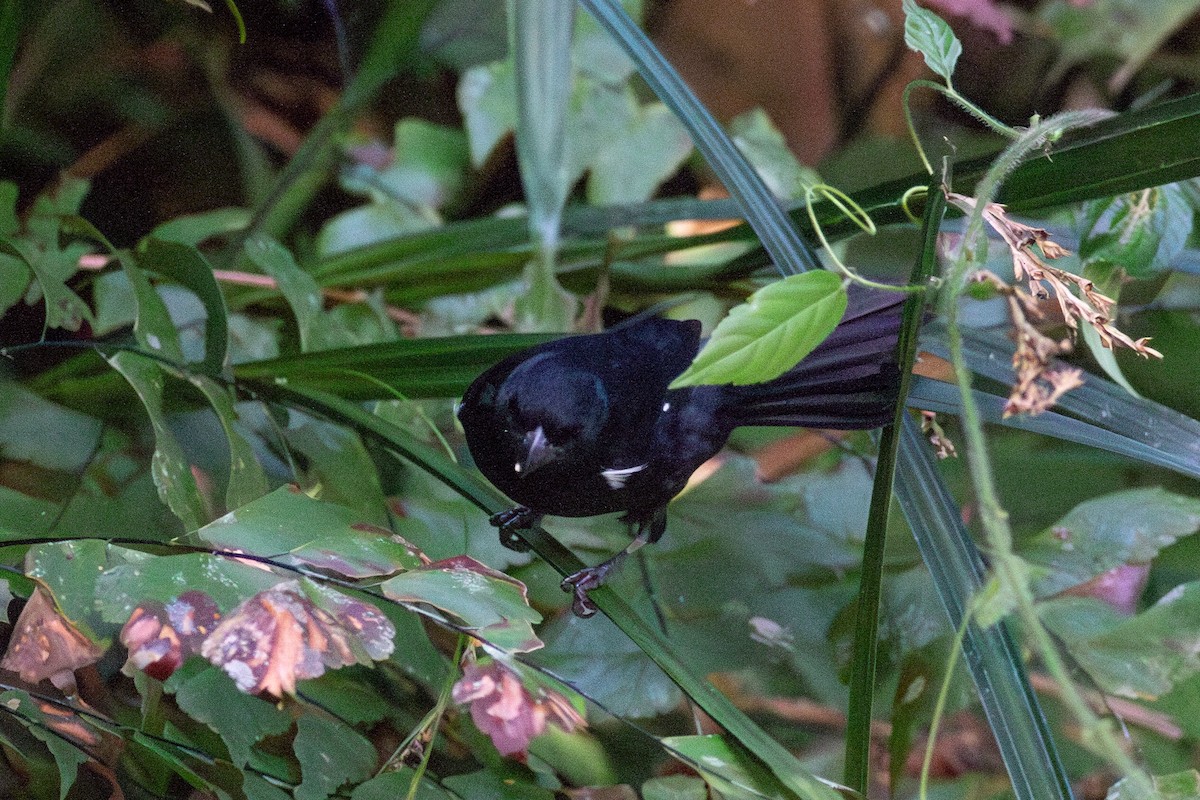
pixel 490 605
pixel 929 35
pixel 192 229
pixel 494 784
pixel 169 466
pixel 771 332
pixel 64 308
pixel 301 292
pixel 1143 656
pixel 241 720
pixel 40 432
pixel 1124 527
pixel 66 755
pixel 1140 233
pixel 116 304
pixel 487 98
pixel 429 163
pixel 339 468
pixel 595 656
pixel 184 264
pixel 139 577
pixel 289 526
pixel 1183 785
pixel 374 223
pixel 393 785
pixel 764 146
pixel 1131 30
pixel 629 167
pixel 331 754
pixel 727 770
pixel 347 696
pixel 71 571
pixel 675 787
pixel 247 480
pixel 443 523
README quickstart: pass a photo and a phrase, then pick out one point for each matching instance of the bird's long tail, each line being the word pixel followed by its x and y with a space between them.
pixel 850 381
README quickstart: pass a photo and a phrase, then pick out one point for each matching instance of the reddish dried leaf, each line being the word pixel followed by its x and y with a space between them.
pixel 365 622
pixel 46 645
pixel 275 638
pixel 160 637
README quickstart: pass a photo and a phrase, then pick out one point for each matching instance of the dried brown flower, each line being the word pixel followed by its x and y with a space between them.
pixel 1040 382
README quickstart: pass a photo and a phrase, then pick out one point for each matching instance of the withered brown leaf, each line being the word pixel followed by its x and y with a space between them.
pixel 45 644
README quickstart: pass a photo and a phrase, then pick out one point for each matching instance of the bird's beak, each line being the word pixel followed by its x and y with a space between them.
pixel 538 452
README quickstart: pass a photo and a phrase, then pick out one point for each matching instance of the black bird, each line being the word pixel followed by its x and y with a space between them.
pixel 585 425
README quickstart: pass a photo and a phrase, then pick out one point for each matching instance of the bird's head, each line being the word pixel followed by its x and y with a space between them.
pixel 542 413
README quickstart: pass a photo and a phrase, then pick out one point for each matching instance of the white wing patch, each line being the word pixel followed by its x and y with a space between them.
pixel 616 477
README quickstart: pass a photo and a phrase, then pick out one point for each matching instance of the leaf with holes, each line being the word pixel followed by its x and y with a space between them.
pixel 490 604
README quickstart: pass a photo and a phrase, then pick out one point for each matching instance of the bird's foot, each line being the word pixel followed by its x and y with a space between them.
pixel 587 579
pixel 520 518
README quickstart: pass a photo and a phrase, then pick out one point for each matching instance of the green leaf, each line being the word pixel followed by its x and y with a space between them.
pixel 35 430
pixel 491 605
pixel 241 720
pixel 429 163
pixel 929 35
pixel 192 229
pixel 247 480
pixel 289 526
pixel 596 657
pixel 540 46
pixel 71 571
pixel 393 785
pixel 301 292
pixel 139 577
pixel 492 783
pixel 771 332
pixel 169 466
pixel 629 167
pixel 184 264
pixel 1131 30
pixel 1143 656
pixel 336 462
pixel 64 308
pixel 675 787
pixel 727 770
pixel 1140 233
pixel 764 145
pixel 330 754
pixel 1125 527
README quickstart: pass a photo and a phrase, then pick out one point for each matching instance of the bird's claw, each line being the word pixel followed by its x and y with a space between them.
pixel 587 579
pixel 520 518
pixel 580 584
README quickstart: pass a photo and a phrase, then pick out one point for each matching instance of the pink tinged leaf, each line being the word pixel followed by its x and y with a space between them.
pixel 506 711
pixel 983 14
pixel 1120 587
pixel 46 645
pixel 279 636
pixel 159 638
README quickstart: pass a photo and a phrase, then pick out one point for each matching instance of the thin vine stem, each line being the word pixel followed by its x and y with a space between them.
pixel 966 105
pixel 1007 566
